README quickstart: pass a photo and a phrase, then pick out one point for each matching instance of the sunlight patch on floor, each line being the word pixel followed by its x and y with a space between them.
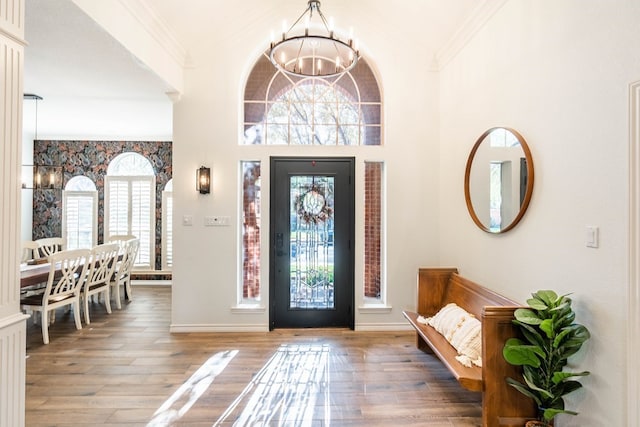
pixel 292 389
pixel 183 399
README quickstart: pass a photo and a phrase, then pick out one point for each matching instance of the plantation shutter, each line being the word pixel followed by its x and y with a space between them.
pixel 167 230
pixel 131 210
pixel 142 217
pixel 79 219
pixel 118 206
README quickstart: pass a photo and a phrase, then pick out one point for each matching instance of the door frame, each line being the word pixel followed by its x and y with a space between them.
pixel 272 227
pixel 633 326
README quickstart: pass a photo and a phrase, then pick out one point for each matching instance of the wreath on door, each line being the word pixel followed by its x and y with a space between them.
pixel 311 206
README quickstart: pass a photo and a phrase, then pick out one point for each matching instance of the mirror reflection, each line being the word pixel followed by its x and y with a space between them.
pixel 498 180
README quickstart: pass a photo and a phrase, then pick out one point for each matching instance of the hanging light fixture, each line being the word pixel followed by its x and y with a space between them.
pixel 44 176
pixel 304 53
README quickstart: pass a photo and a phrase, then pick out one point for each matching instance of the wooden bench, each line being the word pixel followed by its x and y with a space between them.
pixel 502 405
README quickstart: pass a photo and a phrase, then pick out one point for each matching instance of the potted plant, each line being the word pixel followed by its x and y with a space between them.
pixel 549 338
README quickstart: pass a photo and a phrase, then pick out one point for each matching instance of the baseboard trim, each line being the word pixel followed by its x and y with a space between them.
pixel 151 283
pixel 363 327
pixel 218 328
pixel 383 327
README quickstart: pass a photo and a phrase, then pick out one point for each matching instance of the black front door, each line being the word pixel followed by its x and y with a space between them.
pixel 311 241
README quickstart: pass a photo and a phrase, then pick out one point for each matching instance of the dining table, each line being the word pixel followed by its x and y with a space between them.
pixel 33 274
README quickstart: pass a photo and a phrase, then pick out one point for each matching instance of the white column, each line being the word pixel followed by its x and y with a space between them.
pixel 12 322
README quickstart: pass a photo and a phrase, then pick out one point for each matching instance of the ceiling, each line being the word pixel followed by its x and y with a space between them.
pixel 70 55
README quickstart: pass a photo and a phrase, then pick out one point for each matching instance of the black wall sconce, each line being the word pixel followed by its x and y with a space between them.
pixel 203 180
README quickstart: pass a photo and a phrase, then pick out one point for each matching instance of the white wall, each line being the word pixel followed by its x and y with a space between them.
pixel 207 129
pixel 558 72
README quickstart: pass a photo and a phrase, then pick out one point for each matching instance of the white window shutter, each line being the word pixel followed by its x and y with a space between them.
pixel 167 230
pixel 142 214
pixel 117 191
pixel 80 219
pixel 131 210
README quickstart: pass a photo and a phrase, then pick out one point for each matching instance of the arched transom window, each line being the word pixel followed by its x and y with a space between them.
pixel 282 109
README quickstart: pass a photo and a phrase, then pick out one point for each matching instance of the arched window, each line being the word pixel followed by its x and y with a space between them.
pixel 80 213
pixel 130 199
pixel 167 226
pixel 282 109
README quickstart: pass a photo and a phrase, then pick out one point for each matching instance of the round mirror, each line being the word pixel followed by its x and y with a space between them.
pixel 498 181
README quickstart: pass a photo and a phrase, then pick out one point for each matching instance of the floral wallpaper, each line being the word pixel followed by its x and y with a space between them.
pixel 91 159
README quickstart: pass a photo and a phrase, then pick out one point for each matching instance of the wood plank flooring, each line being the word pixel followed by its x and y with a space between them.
pixel 126 369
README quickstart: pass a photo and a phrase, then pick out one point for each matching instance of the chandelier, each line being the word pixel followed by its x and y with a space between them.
pixel 304 53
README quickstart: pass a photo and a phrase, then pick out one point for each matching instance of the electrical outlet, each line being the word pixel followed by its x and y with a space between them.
pixel 187 220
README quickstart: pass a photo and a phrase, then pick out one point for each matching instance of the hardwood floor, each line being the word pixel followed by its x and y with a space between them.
pixel 126 369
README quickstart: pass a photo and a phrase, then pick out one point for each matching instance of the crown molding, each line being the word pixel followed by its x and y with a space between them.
pixel 153 24
pixel 472 25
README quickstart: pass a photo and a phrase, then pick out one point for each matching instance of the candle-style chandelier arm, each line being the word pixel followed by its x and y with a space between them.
pixel 310 54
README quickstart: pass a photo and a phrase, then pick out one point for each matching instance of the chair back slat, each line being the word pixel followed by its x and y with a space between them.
pixel 48 246
pixel 103 262
pixel 67 274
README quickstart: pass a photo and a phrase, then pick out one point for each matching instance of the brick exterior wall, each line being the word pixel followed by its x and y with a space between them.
pixel 372 228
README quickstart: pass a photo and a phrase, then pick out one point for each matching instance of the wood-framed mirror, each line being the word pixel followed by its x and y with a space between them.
pixel 498 180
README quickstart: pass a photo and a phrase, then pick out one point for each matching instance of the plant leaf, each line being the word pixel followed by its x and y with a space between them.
pixel 518 353
pixel 527 316
pixel 537 304
pixel 558 377
pixel 524 390
pixel 550 413
pixel 549 297
pixel 547 327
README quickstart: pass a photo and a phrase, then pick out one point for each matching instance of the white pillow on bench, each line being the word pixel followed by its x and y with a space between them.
pixel 462 330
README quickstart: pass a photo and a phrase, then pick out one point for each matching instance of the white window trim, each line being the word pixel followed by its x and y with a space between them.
pixel 94 196
pixel 152 220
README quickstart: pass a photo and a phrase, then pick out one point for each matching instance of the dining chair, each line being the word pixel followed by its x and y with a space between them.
pixel 101 267
pixel 122 274
pixel 29 250
pixel 120 239
pixel 48 246
pixel 66 276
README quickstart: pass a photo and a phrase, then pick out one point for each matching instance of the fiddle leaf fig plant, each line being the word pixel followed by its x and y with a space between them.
pixel 550 337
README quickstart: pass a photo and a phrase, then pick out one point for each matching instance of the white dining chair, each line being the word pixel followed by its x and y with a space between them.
pixel 66 276
pixel 122 274
pixel 102 265
pixel 48 246
pixel 29 250
pixel 120 239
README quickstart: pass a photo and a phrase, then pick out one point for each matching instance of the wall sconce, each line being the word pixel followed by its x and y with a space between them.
pixel 203 180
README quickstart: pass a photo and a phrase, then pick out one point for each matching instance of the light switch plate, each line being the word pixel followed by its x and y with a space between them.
pixel 592 237
pixel 187 220
pixel 216 221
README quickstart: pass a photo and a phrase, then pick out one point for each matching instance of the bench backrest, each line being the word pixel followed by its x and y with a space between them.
pixel 446 286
